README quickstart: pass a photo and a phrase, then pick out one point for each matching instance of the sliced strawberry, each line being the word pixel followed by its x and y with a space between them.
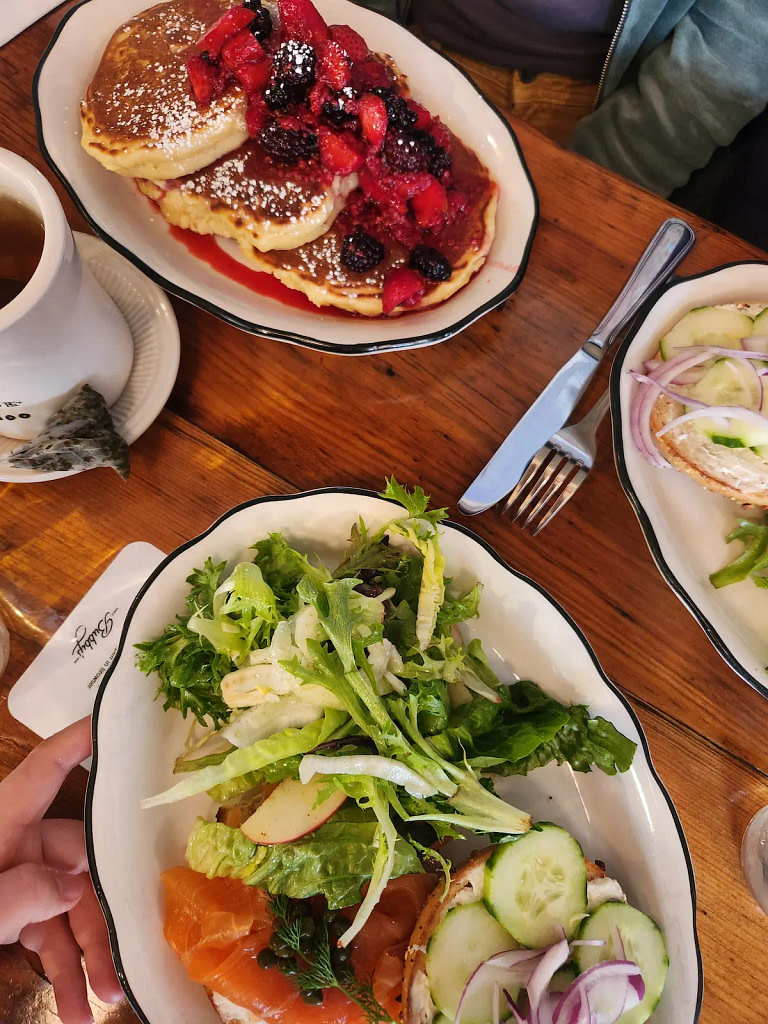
pixel 402 287
pixel 440 134
pixel 340 152
pixel 373 118
pixel 253 77
pixel 423 116
pixel 202 78
pixel 410 185
pixel 300 19
pixel 256 115
pixel 371 74
pixel 318 95
pixel 244 48
pixel 333 66
pixel 430 206
pixel 350 41
pixel 229 24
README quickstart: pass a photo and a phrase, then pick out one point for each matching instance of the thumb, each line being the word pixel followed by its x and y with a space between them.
pixel 32 892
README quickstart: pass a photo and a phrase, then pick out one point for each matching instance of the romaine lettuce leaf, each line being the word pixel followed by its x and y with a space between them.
pixel 334 861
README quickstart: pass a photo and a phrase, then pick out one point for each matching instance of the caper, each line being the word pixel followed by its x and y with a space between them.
pixel 342 954
pixel 288 966
pixel 337 927
pixel 266 958
pixel 314 996
pixel 279 946
pixel 307 927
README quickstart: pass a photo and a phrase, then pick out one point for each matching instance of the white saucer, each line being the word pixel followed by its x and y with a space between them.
pixel 152 321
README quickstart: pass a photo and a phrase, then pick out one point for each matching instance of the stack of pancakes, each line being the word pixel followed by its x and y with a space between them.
pixel 198 164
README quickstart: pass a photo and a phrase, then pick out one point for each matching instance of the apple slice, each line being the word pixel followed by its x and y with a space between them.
pixel 290 812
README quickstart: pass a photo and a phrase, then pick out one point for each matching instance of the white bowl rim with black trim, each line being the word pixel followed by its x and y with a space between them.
pixel 627 820
pixel 122 217
pixel 684 556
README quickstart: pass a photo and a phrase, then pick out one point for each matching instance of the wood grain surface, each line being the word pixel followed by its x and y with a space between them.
pixel 250 417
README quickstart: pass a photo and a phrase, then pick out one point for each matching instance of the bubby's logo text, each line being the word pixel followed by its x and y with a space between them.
pixel 86 640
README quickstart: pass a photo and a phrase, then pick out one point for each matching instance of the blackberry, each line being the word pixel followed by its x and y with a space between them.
pixel 261 26
pixel 439 161
pixel 360 251
pixel 294 62
pixel 427 139
pixel 430 263
pixel 286 146
pixel 251 5
pixel 279 94
pixel 403 152
pixel 207 58
pixel 336 110
pixel 399 113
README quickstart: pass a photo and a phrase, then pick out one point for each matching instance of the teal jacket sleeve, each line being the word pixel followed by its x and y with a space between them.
pixel 693 93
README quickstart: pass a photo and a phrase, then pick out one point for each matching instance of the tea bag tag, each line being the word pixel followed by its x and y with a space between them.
pixel 61 684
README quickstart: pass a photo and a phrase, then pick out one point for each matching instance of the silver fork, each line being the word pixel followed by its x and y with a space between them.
pixel 557 471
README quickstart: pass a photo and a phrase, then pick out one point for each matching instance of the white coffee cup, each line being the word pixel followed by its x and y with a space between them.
pixel 62 330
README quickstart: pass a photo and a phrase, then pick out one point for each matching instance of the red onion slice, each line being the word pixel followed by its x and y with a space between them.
pixel 513 967
pixel 538 983
pixel 616 985
pixel 757 343
pixel 683 399
pixel 721 412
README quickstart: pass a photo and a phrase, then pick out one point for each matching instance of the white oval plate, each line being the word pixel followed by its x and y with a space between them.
pixel 124 218
pixel 628 820
pixel 685 525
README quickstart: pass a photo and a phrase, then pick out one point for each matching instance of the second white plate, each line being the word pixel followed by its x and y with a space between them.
pixel 685 525
pixel 627 820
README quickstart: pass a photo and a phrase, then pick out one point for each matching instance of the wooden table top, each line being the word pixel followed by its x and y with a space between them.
pixel 250 417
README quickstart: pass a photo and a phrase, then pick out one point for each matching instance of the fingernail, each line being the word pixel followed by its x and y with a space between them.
pixel 70 886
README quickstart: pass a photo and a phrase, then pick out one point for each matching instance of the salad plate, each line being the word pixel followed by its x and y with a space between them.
pixel 127 221
pixel 627 819
pixel 686 526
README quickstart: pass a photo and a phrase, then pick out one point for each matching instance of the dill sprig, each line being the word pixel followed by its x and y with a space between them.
pixel 316 969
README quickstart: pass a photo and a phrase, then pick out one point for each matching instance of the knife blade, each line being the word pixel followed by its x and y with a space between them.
pixel 547 414
pixel 556 403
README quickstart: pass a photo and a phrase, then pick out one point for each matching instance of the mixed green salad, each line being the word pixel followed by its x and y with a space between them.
pixel 355 690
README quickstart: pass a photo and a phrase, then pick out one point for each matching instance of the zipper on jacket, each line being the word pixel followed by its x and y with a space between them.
pixel 611 48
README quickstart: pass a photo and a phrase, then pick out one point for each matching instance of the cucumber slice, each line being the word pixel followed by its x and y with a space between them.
pixel 536 886
pixel 643 944
pixel 761 450
pixel 706 325
pixel 465 937
pixel 761 324
pixel 563 979
pixel 728 382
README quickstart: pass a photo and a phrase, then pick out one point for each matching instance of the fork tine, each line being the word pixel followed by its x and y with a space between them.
pixel 565 496
pixel 538 462
pixel 553 483
pixel 531 501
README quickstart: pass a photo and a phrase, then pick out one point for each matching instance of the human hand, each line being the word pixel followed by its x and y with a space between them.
pixel 47 899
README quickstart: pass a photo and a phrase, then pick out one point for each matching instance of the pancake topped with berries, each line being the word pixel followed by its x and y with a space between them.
pixel 140 116
pixel 365 265
pixel 348 189
pixel 248 196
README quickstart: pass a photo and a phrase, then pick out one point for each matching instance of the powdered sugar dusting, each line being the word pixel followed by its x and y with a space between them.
pixel 141 89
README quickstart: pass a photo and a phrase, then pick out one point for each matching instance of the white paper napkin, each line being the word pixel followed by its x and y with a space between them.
pixel 16 15
pixel 61 684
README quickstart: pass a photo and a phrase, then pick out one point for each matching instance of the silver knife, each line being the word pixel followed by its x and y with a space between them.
pixel 557 401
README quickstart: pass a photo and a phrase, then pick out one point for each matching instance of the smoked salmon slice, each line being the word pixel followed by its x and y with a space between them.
pixel 218 926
